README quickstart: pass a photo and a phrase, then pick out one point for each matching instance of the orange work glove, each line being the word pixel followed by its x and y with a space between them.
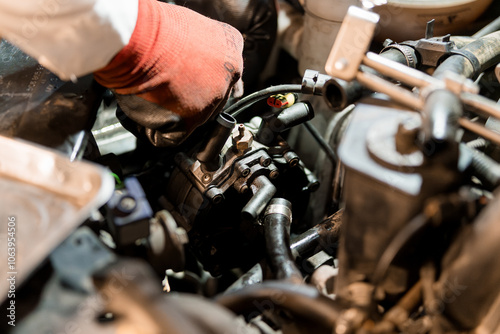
pixel 176 71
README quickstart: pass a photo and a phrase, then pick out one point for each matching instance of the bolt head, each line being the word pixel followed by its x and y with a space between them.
pixel 127 204
pixel 265 162
pixel 274 174
pixel 206 178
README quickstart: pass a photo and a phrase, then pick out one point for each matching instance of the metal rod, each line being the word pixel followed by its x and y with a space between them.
pixel 398 94
pixel 480 130
pixel 488 29
pixel 400 72
pixel 79 145
pixel 481 104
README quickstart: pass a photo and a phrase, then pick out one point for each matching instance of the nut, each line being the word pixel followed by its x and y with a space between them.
pixel 242 139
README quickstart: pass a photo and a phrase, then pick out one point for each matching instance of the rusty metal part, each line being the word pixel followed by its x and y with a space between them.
pixel 399 313
pixel 481 105
pixel 323 236
pixel 242 139
pixel 401 95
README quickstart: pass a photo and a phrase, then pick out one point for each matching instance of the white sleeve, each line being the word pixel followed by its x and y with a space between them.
pixel 69 37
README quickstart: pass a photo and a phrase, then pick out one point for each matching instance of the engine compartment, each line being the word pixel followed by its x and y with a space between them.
pixel 358 198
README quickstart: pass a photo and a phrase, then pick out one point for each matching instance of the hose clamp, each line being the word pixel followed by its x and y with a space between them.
pixel 407 51
pixel 476 65
pixel 280 209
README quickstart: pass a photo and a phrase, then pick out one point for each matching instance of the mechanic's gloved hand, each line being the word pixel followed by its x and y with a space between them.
pixel 175 73
pixel 257 20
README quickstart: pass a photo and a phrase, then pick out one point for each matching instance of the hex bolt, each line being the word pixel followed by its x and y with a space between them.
pixel 215 195
pixel 274 174
pixel 241 186
pixel 243 169
pixel 126 205
pixel 291 158
pixel 265 161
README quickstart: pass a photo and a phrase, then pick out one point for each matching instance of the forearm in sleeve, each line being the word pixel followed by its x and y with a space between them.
pixel 69 37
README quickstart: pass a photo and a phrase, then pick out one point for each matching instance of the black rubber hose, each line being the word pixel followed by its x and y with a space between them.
pixel 237 108
pixel 277 220
pixel 324 236
pixel 303 301
pixel 485 49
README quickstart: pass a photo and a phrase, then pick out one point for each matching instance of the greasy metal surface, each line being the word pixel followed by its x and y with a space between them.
pixel 48 196
pixel 379 200
pixel 36 105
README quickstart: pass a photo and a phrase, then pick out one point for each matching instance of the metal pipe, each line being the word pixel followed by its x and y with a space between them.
pixel 480 130
pixel 209 154
pixel 440 116
pixel 277 221
pixel 79 146
pixel 263 190
pixel 400 72
pixel 398 94
pixel 488 29
pixel 325 235
pixel 481 104
pixel 338 94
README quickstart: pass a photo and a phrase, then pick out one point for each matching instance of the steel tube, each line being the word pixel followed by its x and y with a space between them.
pixel 263 190
pixel 209 154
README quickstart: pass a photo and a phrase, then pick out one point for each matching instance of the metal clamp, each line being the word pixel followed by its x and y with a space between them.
pixel 476 65
pixel 407 51
pixel 279 206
